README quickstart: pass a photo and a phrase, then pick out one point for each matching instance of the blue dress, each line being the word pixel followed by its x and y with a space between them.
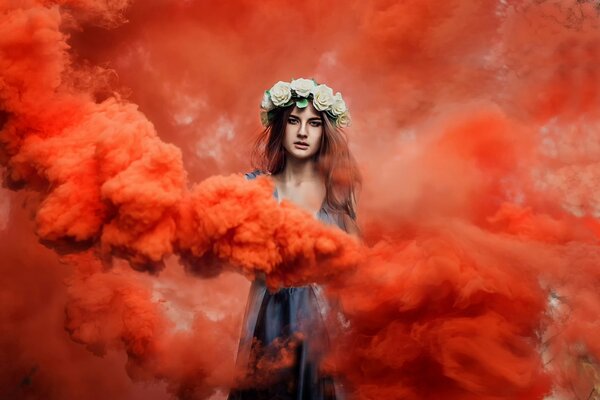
pixel 284 338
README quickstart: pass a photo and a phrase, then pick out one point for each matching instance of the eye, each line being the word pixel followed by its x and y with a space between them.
pixel 292 121
pixel 315 123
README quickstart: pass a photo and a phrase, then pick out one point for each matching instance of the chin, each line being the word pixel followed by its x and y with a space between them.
pixel 301 156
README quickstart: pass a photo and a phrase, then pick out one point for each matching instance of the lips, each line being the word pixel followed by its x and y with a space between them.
pixel 301 145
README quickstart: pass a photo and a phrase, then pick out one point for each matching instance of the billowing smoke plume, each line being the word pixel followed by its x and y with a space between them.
pixel 475 124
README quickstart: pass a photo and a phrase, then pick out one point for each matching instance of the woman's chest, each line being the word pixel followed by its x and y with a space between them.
pixel 308 195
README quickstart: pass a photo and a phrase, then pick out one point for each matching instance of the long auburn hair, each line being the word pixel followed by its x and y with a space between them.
pixel 334 161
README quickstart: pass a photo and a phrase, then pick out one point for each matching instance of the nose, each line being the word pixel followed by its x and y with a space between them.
pixel 302 131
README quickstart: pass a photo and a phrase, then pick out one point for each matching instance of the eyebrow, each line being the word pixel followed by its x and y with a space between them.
pixel 310 119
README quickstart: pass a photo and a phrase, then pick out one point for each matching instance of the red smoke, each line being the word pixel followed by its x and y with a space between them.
pixel 475 127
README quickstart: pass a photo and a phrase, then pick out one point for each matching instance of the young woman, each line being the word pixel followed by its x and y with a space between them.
pixel 305 152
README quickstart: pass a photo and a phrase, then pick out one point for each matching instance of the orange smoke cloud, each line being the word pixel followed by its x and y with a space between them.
pixel 475 130
pixel 241 226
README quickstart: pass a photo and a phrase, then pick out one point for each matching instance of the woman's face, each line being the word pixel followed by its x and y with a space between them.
pixel 303 131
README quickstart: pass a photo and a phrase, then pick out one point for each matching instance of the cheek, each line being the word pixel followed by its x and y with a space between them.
pixel 315 140
pixel 289 134
pixel 316 134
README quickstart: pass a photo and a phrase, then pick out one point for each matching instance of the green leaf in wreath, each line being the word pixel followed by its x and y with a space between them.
pixel 302 103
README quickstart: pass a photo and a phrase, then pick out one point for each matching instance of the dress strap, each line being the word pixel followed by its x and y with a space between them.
pixel 253 174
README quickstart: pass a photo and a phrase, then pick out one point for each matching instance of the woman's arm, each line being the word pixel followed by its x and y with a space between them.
pixel 351 227
pixel 349 221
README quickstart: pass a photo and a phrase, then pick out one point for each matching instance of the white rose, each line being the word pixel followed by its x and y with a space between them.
pixel 302 86
pixel 339 105
pixel 267 104
pixel 281 93
pixel 323 97
pixel 343 120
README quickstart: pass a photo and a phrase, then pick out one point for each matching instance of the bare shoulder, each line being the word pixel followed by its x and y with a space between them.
pixel 275 178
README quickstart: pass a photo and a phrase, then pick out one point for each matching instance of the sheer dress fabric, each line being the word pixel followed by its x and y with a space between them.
pixel 289 322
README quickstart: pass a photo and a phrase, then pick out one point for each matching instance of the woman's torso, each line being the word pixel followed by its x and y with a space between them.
pixel 272 316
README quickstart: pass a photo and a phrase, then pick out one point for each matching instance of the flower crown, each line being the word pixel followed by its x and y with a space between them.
pixel 300 91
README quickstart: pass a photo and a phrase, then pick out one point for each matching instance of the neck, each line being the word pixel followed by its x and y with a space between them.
pixel 297 171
